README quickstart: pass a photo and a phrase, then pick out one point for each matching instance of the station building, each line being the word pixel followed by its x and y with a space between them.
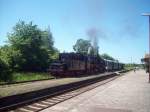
pixel 146 60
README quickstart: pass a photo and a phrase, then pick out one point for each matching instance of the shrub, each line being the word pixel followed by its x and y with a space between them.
pixel 5 73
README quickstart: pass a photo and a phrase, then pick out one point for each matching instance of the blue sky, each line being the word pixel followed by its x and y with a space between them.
pixel 122 31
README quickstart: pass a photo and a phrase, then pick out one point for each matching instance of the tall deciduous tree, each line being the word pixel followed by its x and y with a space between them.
pixel 48 43
pixel 33 46
pixel 106 56
pixel 82 46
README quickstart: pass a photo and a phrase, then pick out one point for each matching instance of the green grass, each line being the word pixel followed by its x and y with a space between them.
pixel 28 76
pixel 128 68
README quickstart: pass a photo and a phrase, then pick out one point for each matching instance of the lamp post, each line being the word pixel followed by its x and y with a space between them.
pixel 148 14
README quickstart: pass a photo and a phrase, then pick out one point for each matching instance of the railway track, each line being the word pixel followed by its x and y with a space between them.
pixel 35 105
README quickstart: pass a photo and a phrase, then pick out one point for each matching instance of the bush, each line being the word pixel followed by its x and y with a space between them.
pixel 5 73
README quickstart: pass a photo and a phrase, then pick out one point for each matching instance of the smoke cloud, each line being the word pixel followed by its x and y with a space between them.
pixel 94 34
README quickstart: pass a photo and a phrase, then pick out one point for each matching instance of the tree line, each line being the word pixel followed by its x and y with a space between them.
pixel 30 48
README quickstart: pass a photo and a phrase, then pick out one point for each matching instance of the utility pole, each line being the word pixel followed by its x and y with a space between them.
pixel 148 14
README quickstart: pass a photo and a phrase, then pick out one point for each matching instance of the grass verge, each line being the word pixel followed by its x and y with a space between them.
pixel 28 76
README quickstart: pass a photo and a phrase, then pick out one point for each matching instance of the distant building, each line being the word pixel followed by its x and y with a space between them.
pixel 146 60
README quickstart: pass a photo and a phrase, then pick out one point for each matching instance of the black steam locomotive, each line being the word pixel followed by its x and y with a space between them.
pixel 75 64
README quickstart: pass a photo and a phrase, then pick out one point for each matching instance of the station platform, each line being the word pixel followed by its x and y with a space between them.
pixel 21 88
pixel 129 93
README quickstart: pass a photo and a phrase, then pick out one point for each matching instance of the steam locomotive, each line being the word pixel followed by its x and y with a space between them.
pixel 76 64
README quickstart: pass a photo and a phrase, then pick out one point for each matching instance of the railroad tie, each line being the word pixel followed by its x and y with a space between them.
pixel 48 103
pixel 34 107
pixel 25 110
pixel 41 105
pixel 53 101
pixel 57 99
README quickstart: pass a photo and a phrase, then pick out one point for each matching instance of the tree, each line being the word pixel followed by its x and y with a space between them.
pixel 55 54
pixel 82 46
pixel 11 57
pixel 5 73
pixel 48 42
pixel 106 56
pixel 47 39
pixel 33 46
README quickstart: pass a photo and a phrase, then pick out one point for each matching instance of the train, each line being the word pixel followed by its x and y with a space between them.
pixel 76 64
